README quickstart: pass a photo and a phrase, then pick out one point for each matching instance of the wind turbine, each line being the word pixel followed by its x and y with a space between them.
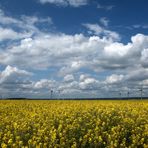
pixel 141 90
pixel 128 93
pixel 51 94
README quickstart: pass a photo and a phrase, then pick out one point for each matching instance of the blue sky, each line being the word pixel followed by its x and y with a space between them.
pixel 77 48
pixel 68 19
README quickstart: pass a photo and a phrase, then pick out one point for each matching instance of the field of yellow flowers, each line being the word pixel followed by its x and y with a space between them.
pixel 75 124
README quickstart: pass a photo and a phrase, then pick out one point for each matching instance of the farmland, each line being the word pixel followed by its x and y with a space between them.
pixel 60 124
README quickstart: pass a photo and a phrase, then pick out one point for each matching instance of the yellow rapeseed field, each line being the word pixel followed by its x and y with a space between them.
pixel 75 124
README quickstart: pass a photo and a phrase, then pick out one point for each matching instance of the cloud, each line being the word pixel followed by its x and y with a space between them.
pixel 68 78
pixel 137 27
pixel 79 86
pixel 34 19
pixel 101 31
pixel 105 7
pixel 76 65
pixel 7 34
pixel 73 3
pixel 117 50
pixel 13 74
pixel 10 34
pixel 71 52
pixel 88 83
pixel 94 27
pixel 114 78
pixel 44 84
pixel 129 55
pixel 144 57
pixel 25 26
pixel 6 19
pixel 104 21
pixel 140 26
pixel 15 82
pixel 139 74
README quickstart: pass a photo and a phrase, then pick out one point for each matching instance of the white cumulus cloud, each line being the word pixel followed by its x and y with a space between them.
pixel 101 31
pixel 74 64
pixel 73 3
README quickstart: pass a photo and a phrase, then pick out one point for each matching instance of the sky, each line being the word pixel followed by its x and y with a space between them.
pixel 76 48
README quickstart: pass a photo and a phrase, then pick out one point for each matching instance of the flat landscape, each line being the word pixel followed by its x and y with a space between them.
pixel 75 124
pixel 73 74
